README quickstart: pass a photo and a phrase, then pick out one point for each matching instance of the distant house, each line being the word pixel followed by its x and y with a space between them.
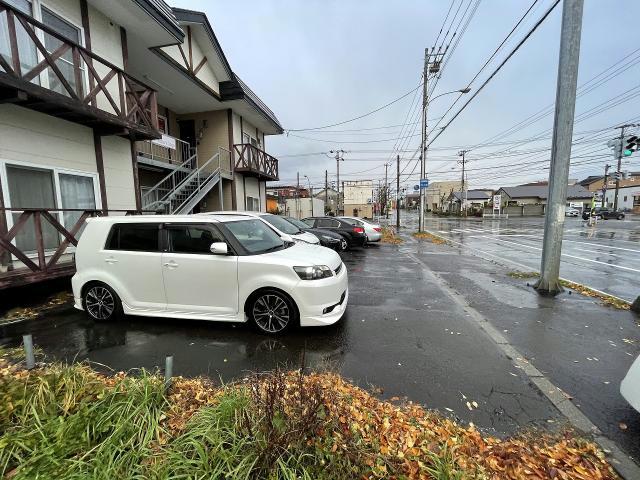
pixel 595 183
pixel 358 198
pixel 330 198
pixel 470 200
pixel 437 193
pixel 538 194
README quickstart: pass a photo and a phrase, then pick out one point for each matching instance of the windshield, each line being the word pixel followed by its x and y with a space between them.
pixel 281 224
pixel 297 223
pixel 255 236
pixel 352 221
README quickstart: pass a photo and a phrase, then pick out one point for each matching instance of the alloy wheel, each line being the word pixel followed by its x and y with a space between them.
pixel 100 303
pixel 343 244
pixel 271 313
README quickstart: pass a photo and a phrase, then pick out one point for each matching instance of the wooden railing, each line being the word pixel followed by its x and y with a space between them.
pixel 109 90
pixel 17 265
pixel 251 159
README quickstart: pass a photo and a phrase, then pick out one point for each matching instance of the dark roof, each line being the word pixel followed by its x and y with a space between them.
pixel 163 14
pixel 542 191
pixel 590 179
pixel 474 195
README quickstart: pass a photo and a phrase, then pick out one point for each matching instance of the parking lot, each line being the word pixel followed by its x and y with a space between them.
pixel 605 256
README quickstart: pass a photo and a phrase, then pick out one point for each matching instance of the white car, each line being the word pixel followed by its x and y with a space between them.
pixel 572 212
pixel 371 230
pixel 630 386
pixel 279 224
pixel 224 268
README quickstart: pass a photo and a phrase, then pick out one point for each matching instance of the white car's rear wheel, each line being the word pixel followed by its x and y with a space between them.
pixel 272 312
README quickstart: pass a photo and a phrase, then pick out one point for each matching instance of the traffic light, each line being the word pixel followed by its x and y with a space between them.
pixel 630 145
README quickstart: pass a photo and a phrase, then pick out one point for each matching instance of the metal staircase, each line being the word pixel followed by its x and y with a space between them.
pixel 180 191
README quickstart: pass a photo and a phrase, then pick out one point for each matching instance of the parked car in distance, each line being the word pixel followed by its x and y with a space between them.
pixel 373 231
pixel 630 386
pixel 572 212
pixel 208 267
pixel 602 213
pixel 327 238
pixel 354 234
pixel 278 223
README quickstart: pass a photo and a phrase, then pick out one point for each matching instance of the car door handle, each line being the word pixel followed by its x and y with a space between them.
pixel 170 264
pixel 110 260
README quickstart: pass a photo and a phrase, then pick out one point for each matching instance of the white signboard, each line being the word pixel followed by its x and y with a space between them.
pixel 166 141
pixel 497 200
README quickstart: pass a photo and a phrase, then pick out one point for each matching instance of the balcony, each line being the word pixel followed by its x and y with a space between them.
pixel 45 71
pixel 250 160
pixel 166 152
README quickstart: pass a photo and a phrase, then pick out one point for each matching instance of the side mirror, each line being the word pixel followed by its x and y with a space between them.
pixel 286 237
pixel 219 248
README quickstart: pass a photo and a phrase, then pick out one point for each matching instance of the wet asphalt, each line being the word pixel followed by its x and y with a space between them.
pixel 402 336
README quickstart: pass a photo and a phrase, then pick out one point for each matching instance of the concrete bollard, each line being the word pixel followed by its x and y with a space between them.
pixel 27 341
pixel 168 371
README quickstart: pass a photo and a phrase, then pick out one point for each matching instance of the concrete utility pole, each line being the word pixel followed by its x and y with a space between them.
pixel 386 191
pixel 604 186
pixel 398 192
pixel 561 146
pixel 462 154
pixel 619 168
pixel 423 144
pixel 339 158
pixel 298 196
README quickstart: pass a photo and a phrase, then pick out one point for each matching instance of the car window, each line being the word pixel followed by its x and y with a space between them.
pixel 328 223
pixel 298 223
pixel 309 221
pixel 192 238
pixel 136 237
pixel 281 224
pixel 255 236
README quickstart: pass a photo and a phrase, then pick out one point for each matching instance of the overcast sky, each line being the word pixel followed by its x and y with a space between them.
pixel 317 63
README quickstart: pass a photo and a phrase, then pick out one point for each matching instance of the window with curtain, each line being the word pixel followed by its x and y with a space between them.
pixel 32 188
pixel 76 191
pixel 26 47
pixel 51 43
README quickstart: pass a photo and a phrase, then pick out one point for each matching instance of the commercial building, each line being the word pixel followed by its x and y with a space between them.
pixel 357 198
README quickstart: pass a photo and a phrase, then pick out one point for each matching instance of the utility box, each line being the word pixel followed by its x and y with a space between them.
pixel 304 207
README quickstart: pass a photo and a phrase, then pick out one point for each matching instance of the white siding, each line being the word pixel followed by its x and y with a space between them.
pixel 118 173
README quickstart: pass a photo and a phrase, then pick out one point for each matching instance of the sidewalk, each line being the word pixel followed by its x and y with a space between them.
pixel 581 347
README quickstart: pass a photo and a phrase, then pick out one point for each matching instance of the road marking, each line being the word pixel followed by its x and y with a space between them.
pixel 603 246
pixel 571 256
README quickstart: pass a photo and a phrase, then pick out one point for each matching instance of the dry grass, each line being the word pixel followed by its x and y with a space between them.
pixel 389 236
pixel 71 422
pixel 607 300
pixel 430 237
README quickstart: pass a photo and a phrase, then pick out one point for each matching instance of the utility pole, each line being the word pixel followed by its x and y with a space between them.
pixel 386 191
pixel 326 189
pixel 397 193
pixel 561 146
pixel 619 168
pixel 339 159
pixel 604 186
pixel 462 154
pixel 423 144
pixel 298 196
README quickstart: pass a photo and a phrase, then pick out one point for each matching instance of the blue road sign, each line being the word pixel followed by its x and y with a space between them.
pixel 424 183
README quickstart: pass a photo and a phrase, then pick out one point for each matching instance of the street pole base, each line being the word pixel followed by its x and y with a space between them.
pixel 548 288
pixel 635 306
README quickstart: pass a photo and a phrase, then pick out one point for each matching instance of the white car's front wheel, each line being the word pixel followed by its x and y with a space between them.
pixel 271 311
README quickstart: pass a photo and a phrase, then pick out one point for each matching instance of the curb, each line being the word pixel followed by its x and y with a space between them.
pixel 620 461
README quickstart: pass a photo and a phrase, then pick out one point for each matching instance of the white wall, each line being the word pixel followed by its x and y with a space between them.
pixel 41 140
pixel 629 192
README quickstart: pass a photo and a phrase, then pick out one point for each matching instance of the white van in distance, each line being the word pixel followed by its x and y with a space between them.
pixel 209 267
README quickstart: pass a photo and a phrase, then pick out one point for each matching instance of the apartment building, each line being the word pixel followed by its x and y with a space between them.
pixel 112 108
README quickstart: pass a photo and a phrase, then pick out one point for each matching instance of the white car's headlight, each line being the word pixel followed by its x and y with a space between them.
pixel 313 273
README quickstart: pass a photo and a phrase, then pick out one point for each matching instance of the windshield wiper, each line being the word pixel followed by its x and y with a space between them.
pixel 271 249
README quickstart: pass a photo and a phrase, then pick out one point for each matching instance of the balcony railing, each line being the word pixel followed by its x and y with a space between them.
pixel 165 150
pixel 39 246
pixel 46 71
pixel 250 160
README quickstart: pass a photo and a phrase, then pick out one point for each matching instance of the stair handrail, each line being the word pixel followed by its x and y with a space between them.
pixel 184 167
pixel 214 172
